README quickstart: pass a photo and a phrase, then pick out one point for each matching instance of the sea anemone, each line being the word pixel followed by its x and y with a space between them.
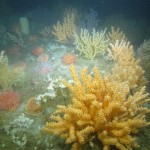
pixel 9 101
pixel 37 51
pixel 69 58
pixel 32 107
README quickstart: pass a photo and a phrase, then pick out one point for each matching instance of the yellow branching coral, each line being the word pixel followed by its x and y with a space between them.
pixel 90 44
pixel 127 68
pixel 100 108
pixel 116 34
pixel 64 31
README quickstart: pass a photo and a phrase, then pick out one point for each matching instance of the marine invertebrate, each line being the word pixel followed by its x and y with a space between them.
pixel 43 68
pixel 32 107
pixel 64 31
pixel 143 53
pixel 9 100
pixel 43 57
pixel 90 20
pixel 51 92
pixel 116 34
pixel 8 75
pixel 37 51
pixel 127 68
pixel 46 32
pixel 3 58
pixel 18 40
pixel 69 58
pixel 99 108
pixel 90 44
pixel 18 129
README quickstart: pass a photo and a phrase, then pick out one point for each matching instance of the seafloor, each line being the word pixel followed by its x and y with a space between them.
pixel 34 138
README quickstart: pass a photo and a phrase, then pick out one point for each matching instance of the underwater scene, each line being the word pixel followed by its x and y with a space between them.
pixel 74 75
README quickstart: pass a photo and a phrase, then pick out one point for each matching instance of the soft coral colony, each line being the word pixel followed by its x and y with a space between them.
pixel 102 108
